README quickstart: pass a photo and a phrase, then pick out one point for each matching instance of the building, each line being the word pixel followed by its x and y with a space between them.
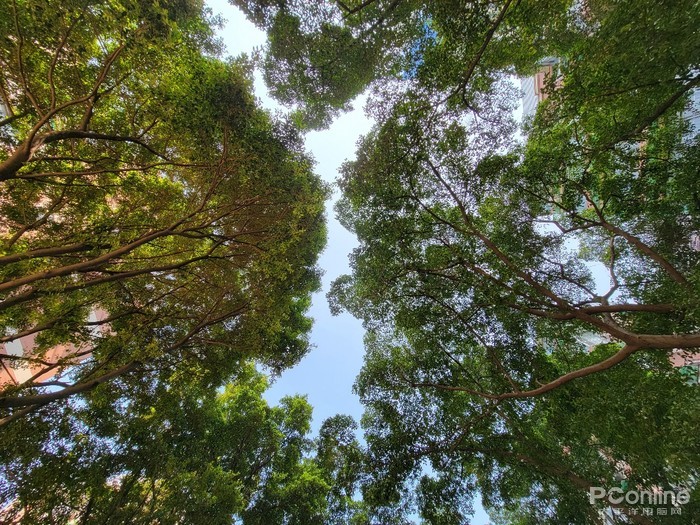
pixel 534 87
pixel 22 363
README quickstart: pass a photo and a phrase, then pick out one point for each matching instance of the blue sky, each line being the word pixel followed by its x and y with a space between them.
pixel 327 373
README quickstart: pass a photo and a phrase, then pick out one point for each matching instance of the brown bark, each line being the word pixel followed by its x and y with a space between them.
pixel 615 359
pixel 40 399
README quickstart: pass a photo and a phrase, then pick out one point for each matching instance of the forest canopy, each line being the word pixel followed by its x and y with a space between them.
pixel 159 235
pixel 528 285
pixel 141 182
pixel 524 284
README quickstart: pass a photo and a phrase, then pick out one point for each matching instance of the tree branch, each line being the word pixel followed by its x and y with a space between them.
pixel 78 388
pixel 615 359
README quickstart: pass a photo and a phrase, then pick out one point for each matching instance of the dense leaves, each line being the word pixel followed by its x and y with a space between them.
pixel 512 279
pixel 171 451
pixel 523 287
pixel 152 216
pixel 159 240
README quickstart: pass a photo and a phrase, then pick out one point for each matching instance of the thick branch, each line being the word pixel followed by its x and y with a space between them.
pixel 46 252
pixel 33 141
pixel 615 359
pixel 637 243
pixel 25 401
pixel 31 293
pixel 593 310
pixel 92 264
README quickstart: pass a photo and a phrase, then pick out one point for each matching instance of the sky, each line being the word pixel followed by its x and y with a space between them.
pixel 327 373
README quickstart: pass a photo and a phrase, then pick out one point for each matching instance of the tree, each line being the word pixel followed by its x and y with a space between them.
pixel 320 56
pixel 538 456
pixel 140 179
pixel 442 260
pixel 173 451
pixel 495 275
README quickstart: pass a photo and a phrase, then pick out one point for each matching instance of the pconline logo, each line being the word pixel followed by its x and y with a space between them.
pixel 618 496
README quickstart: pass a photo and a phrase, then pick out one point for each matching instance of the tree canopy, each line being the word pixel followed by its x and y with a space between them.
pixel 162 230
pixel 513 280
pixel 174 451
pixel 140 179
pixel 524 285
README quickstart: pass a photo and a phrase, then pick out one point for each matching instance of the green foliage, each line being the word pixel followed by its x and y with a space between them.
pixel 159 240
pixel 172 451
pixel 319 58
pixel 140 180
pixel 515 290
